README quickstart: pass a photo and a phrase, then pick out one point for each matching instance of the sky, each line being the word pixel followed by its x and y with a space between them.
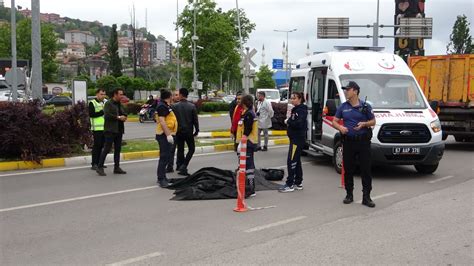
pixel 270 15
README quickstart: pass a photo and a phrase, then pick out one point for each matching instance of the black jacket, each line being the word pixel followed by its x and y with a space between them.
pixel 187 117
pixel 298 123
pixel 112 110
pixel 232 106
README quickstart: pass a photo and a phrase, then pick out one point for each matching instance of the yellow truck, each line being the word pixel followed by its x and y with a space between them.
pixel 448 83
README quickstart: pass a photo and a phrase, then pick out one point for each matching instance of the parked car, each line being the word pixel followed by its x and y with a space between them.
pixel 47 97
pixel 228 98
pixel 5 95
pixel 216 100
pixel 59 101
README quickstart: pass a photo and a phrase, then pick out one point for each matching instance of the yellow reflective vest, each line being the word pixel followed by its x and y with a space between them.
pixel 97 123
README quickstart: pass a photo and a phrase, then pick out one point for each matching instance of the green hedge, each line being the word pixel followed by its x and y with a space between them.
pixel 212 107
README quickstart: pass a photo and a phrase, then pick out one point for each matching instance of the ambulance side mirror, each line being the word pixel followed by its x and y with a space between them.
pixel 331 107
pixel 434 105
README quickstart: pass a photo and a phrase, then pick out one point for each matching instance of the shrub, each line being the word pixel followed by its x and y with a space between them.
pixel 214 107
pixel 133 108
pixel 278 119
pixel 28 133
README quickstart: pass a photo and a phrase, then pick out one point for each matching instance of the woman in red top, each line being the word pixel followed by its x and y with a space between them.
pixel 235 119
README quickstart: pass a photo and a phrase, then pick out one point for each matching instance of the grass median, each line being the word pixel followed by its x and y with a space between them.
pixel 152 145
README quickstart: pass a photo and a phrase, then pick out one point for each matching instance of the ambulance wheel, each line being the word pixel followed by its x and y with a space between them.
pixel 337 157
pixel 426 168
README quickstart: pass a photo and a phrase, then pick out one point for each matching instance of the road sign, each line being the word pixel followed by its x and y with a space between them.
pixel 197 85
pixel 277 63
pixel 333 28
pixel 416 28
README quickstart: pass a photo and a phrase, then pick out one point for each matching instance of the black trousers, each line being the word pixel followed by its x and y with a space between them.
pixel 353 152
pixel 165 155
pixel 116 140
pixel 98 146
pixel 295 170
pixel 180 140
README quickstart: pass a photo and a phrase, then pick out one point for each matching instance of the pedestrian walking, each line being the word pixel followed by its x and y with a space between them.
pixel 166 127
pixel 169 168
pixel 188 128
pixel 236 115
pixel 248 127
pixel 114 128
pixel 264 114
pixel 358 118
pixel 96 114
pixel 296 131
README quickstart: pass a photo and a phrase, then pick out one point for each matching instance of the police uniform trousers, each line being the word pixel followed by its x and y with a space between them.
pixel 356 150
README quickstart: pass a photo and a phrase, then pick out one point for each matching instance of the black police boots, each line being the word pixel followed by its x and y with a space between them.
pixel 367 201
pixel 349 197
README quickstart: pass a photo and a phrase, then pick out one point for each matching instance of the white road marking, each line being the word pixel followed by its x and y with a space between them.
pixel 441 179
pixel 284 166
pixel 381 196
pixel 75 199
pixel 137 259
pixel 263 227
pixel 88 166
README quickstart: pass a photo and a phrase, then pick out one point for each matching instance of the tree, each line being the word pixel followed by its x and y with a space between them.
pixel 108 83
pixel 115 64
pixel 461 40
pixel 49 46
pixel 264 78
pixel 219 38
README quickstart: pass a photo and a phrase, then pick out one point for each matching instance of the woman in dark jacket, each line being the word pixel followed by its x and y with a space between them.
pixel 297 128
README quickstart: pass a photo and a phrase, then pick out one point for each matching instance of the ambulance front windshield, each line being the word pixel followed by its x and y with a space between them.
pixel 384 91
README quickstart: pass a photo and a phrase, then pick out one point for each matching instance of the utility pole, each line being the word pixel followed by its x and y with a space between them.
pixel 178 63
pixel 133 22
pixel 14 85
pixel 194 38
pixel 36 75
pixel 241 48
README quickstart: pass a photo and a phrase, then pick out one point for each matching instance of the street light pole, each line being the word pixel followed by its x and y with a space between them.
pixel 36 75
pixel 14 85
pixel 375 40
pixel 287 62
pixel 178 82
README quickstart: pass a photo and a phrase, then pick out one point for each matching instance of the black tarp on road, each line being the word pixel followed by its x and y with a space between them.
pixel 214 183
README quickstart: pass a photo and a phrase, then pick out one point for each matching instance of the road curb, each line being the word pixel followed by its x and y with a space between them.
pixel 86 160
pixel 226 134
pixel 135 119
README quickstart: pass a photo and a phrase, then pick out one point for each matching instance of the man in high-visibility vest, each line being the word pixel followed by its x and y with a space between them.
pixel 96 114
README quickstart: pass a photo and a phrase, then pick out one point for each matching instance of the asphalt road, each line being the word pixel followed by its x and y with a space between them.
pixel 72 216
pixel 136 130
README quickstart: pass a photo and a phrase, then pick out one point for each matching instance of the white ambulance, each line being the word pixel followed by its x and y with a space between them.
pixel 407 130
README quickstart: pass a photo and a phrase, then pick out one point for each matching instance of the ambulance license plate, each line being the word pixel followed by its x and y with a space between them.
pixel 405 150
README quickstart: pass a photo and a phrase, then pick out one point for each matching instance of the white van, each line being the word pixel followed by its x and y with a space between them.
pixel 407 130
pixel 272 95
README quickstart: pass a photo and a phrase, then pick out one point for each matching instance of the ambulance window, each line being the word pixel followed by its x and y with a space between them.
pixel 297 84
pixel 333 93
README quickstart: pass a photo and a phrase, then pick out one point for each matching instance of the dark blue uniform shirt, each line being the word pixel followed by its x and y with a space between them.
pixel 352 115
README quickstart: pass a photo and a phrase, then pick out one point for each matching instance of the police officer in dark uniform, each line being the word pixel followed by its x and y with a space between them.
pixel 358 118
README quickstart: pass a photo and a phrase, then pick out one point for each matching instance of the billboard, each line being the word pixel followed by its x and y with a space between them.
pixel 405 47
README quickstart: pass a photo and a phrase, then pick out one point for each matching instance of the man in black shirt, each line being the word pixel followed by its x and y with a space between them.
pixel 188 128
pixel 115 116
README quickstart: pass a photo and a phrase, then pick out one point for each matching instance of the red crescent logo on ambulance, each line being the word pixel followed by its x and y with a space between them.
pixel 347 66
pixel 386 65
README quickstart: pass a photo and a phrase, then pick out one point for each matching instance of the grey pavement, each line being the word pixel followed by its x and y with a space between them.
pixel 72 216
pixel 136 130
